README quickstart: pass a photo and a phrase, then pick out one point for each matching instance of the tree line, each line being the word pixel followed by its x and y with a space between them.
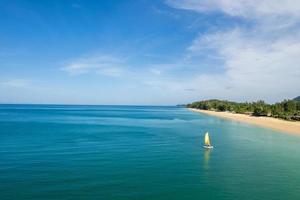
pixel 287 109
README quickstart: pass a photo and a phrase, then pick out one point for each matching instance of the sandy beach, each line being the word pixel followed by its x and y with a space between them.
pixel 268 122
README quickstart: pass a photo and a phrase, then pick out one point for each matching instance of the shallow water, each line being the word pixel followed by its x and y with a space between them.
pixel 137 152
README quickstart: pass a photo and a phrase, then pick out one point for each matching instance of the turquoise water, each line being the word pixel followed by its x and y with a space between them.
pixel 135 152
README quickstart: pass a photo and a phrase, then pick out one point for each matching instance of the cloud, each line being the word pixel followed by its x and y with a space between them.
pixel 260 61
pixel 258 67
pixel 257 58
pixel 112 71
pixel 244 8
pixel 102 64
pixel 165 12
pixel 155 71
pixel 16 83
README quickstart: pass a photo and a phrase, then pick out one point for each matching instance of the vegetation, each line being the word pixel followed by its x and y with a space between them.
pixel 287 109
pixel 297 98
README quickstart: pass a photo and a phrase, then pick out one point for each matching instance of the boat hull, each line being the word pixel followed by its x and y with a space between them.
pixel 208 147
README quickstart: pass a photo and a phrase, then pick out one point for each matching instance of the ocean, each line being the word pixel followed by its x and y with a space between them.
pixel 141 152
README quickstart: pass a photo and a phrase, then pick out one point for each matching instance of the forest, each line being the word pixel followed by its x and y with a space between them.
pixel 287 109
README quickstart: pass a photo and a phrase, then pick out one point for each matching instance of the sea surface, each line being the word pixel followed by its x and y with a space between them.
pixel 141 152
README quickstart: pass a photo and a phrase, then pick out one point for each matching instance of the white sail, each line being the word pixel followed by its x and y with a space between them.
pixel 207 140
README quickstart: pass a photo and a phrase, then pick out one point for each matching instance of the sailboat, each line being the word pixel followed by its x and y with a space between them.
pixel 207 144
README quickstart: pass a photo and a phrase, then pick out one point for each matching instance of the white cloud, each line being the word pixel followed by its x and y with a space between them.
pixel 260 62
pixel 244 8
pixel 16 83
pixel 155 71
pixel 112 71
pixel 102 64
pixel 256 67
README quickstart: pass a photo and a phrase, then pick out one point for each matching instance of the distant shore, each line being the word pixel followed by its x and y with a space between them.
pixel 268 122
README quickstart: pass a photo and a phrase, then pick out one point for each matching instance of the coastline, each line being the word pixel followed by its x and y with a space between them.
pixel 268 122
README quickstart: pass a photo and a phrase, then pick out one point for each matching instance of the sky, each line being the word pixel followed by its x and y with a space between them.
pixel 148 52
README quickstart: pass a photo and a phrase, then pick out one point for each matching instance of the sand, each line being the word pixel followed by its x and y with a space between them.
pixel 268 122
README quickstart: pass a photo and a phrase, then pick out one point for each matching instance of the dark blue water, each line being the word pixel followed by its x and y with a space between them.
pixel 134 152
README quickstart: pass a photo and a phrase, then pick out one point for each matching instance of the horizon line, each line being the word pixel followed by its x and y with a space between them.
pixel 62 104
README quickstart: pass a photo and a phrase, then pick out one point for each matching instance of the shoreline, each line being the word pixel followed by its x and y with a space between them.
pixel 267 122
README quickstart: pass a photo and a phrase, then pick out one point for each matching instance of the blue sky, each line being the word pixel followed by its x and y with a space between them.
pixel 148 52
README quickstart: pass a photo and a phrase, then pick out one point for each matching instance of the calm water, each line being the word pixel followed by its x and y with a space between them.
pixel 127 152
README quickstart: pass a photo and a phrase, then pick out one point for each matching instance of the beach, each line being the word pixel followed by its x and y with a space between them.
pixel 268 122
